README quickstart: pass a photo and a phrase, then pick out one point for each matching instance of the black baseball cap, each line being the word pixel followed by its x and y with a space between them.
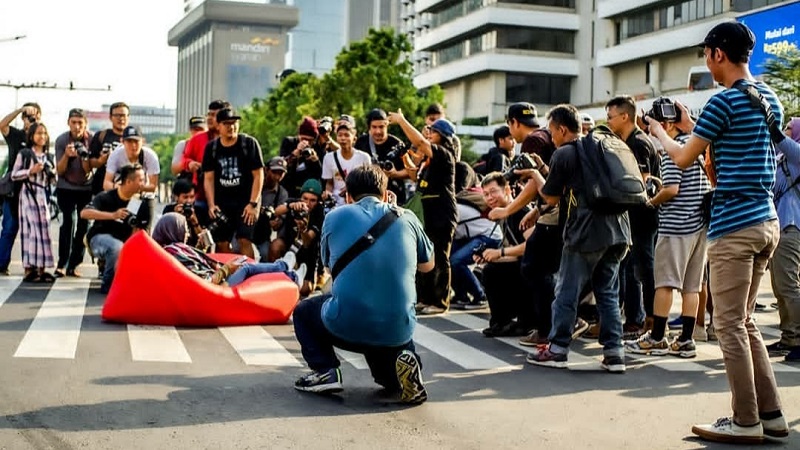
pixel 132 132
pixel 733 38
pixel 76 112
pixel 226 114
pixel 376 114
pixel 524 113
pixel 197 122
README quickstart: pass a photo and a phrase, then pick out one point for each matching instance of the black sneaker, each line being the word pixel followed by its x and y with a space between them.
pixel 409 375
pixel 476 304
pixel 613 364
pixel 459 304
pixel 329 381
pixel 778 348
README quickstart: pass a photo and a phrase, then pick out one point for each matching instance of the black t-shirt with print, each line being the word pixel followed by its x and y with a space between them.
pixel 95 149
pixel 233 169
pixel 436 182
pixel 381 150
pixel 109 201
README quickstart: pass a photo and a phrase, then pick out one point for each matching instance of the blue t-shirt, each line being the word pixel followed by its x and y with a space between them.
pixel 744 159
pixel 373 297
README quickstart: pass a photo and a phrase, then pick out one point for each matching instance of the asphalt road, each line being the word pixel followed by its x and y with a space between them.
pixel 70 380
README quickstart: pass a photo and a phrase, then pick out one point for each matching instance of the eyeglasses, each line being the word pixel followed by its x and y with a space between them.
pixel 610 117
pixel 494 191
pixel 119 116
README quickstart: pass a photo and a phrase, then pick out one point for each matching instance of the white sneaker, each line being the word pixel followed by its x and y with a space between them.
pixel 301 274
pixel 725 430
pixel 699 334
pixel 290 259
pixel 775 427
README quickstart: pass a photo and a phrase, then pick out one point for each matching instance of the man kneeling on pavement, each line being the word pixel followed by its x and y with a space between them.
pixel 370 309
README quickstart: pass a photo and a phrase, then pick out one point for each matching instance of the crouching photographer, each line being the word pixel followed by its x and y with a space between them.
pixel 502 278
pixel 183 196
pixel 114 214
pixel 300 231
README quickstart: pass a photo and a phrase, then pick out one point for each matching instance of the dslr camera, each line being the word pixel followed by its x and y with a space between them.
pixel 478 251
pixel 306 152
pixel 328 204
pixel 188 209
pixel 219 221
pixel 664 110
pixel 325 125
pixel 268 212
pixel 83 153
pixel 107 147
pixel 397 151
pixel 521 162
pixel 49 170
pixel 298 214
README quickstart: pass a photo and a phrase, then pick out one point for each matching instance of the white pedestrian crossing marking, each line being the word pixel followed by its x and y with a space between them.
pixel 356 360
pixel 156 344
pixel 7 287
pixel 55 330
pixel 256 347
pixel 456 351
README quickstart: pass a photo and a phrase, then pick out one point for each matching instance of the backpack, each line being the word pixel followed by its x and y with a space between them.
pixel 473 197
pixel 611 179
pixel 481 166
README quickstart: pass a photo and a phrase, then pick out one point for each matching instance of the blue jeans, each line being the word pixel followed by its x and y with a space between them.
pixel 107 247
pixel 601 269
pixel 248 270
pixel 317 343
pixel 464 281
pixel 10 230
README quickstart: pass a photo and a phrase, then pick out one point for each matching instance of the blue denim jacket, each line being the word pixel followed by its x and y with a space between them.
pixel 787 199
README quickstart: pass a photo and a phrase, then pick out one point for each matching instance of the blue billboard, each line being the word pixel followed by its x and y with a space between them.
pixel 777 30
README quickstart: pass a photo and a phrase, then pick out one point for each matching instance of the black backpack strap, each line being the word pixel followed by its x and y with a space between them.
pixel 338 165
pixel 784 165
pixel 758 101
pixel 365 241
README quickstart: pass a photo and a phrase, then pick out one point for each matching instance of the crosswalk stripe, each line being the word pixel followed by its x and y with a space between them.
pixel 257 347
pixel 7 287
pixel 455 351
pixel 55 329
pixel 713 351
pixel 769 331
pixel 156 344
pixel 576 360
pixel 356 360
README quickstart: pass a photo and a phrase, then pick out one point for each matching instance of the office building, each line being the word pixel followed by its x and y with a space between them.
pixel 151 119
pixel 229 50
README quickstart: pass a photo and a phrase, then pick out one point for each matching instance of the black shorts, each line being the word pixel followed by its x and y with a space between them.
pixel 235 225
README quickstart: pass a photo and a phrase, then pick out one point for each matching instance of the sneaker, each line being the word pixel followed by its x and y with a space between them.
pixel 725 430
pixel 793 355
pixel 775 427
pixel 675 324
pixel 300 275
pixel 409 375
pixel 544 357
pixel 774 305
pixel 419 306
pixel 534 339
pixel 711 333
pixel 646 345
pixel 430 310
pixel 290 259
pixel 631 332
pixel 778 348
pixel 613 364
pixel 760 306
pixel 476 304
pixel 700 334
pixel 580 327
pixel 459 304
pixel 684 349
pixel 328 381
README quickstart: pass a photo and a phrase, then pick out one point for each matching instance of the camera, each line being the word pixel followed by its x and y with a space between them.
pixel 83 153
pixel 521 162
pixel 48 169
pixel 131 220
pixel 107 147
pixel 299 214
pixel 188 210
pixel 328 204
pixel 396 152
pixel 268 212
pixel 478 251
pixel 219 221
pixel 306 152
pixel 325 125
pixel 664 110
pixel 652 186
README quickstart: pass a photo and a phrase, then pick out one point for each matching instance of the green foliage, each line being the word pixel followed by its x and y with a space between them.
pixel 164 146
pixel 467 154
pixel 479 121
pixel 782 73
pixel 373 73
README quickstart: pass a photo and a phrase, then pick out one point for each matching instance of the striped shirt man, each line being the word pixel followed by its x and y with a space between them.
pixel 683 214
pixel 744 159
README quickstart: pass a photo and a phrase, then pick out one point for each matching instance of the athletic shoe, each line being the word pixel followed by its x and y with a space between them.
pixel 631 332
pixel 684 349
pixel 419 306
pixel 533 339
pixel 290 259
pixel 580 327
pixel 778 348
pixel 646 345
pixel 544 357
pixel 699 334
pixel 793 355
pixel 329 381
pixel 459 304
pixel 300 275
pixel 613 364
pixel 774 305
pixel 725 430
pixel 476 304
pixel 776 428
pixel 675 324
pixel 711 333
pixel 760 306
pixel 430 310
pixel 409 375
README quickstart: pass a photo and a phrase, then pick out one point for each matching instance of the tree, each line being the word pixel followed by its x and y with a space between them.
pixel 164 147
pixel 782 73
pixel 372 73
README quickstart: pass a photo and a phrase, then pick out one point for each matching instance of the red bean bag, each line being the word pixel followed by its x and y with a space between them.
pixel 152 288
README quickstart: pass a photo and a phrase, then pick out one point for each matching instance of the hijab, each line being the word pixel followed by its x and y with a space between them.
pixel 171 228
pixel 795 122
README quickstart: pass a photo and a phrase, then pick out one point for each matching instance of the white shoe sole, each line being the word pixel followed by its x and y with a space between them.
pixel 328 388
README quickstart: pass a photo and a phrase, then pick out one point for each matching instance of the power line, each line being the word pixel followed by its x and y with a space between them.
pixel 45 85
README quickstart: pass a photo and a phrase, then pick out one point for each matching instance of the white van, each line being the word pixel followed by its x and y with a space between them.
pixel 700 79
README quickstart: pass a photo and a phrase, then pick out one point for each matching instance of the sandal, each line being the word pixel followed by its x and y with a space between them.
pixel 46 278
pixel 31 277
pixel 73 273
pixel 59 273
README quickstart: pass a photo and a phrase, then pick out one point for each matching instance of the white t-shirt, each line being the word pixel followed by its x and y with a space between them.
pixel 177 152
pixel 119 158
pixel 331 172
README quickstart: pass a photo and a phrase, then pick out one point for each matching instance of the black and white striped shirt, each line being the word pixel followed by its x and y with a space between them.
pixel 683 214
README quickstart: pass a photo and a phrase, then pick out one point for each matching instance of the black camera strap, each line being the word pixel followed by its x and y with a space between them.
pixel 758 101
pixel 366 241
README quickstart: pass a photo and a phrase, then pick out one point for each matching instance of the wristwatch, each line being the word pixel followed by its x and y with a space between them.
pixel 253 204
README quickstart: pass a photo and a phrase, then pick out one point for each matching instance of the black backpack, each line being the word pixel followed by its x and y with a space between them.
pixel 611 177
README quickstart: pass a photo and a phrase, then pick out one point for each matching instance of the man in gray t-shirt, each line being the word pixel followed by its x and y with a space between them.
pixel 132 151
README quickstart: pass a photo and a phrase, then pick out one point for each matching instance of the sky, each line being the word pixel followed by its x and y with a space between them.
pixel 94 44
